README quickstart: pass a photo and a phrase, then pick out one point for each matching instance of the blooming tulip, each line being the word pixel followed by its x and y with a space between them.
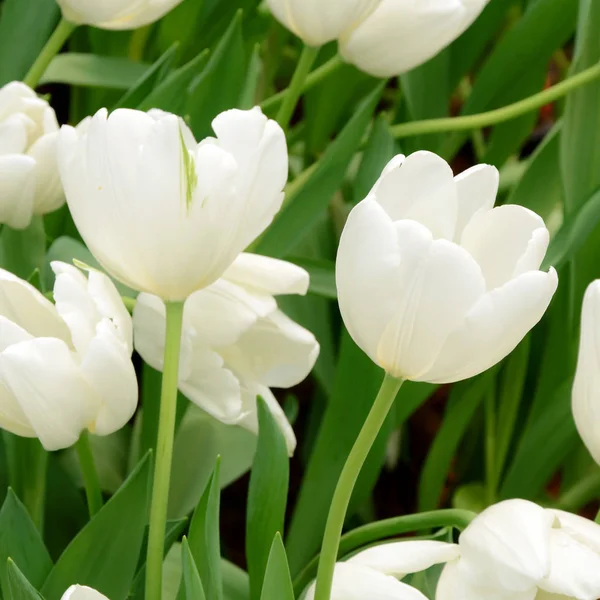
pixel 586 387
pixel 374 573
pixel 163 214
pixel 516 550
pixel 65 367
pixel 29 180
pixel 81 592
pixel 382 37
pixel 435 284
pixel 116 14
pixel 236 343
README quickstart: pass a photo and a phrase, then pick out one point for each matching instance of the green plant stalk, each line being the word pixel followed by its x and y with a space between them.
pixel 91 482
pixel 500 115
pixel 293 93
pixel 380 530
pixel 491 478
pixel 343 491
pixel 57 40
pixel 164 451
pixel 318 75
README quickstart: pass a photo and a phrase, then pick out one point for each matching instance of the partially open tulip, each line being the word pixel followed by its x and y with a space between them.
pixel 236 343
pixel 586 387
pixel 382 37
pixel 29 180
pixel 434 283
pixel 375 573
pixel 81 592
pixel 116 14
pixel 67 367
pixel 516 550
pixel 166 215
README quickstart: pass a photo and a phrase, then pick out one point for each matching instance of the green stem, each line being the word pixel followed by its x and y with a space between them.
pixel 493 117
pixel 90 475
pixel 490 446
pixel 318 75
pixel 345 485
pixel 164 451
pixel 380 530
pixel 293 93
pixel 53 46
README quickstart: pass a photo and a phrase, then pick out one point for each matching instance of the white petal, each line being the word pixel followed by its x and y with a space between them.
pixel 17 189
pixel 49 194
pixel 583 530
pixel 494 327
pixel 506 241
pixel 81 592
pixel 13 134
pixel 50 390
pixel 575 568
pixel 402 34
pixel 355 582
pixel 268 275
pixel 421 187
pixel 318 23
pixel 507 546
pixel 586 386
pixel 401 558
pixel 477 188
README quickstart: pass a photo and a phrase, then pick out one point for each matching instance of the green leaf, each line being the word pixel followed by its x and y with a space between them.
pixel 19 587
pixel 90 70
pixel 236 584
pixel 308 203
pixel 21 541
pixel 20 20
pixel 191 577
pixel 249 96
pixel 267 496
pixel 22 252
pixel 278 582
pixel 204 540
pixel 322 276
pixel 104 555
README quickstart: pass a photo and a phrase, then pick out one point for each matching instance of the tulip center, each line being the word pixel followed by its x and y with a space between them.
pixel 189 176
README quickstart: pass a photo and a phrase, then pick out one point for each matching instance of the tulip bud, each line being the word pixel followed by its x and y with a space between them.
pixel 586 386
pixel 161 213
pixel 65 368
pixel 116 14
pixel 435 284
pixel 81 592
pixel 236 343
pixel 29 180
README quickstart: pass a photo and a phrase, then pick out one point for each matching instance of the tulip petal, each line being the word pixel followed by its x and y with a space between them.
pixel 47 383
pixel 575 568
pixel 49 194
pixel 586 386
pixel 494 327
pixel 17 189
pixel 506 241
pixel 583 530
pixel 401 558
pixel 14 134
pixel 81 592
pixel 420 188
pixel 355 582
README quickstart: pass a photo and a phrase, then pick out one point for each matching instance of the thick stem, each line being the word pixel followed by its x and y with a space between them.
pixel 293 93
pixel 493 117
pixel 53 46
pixel 164 452
pixel 343 492
pixel 90 475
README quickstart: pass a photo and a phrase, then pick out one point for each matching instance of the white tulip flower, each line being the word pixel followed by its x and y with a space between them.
pixel 375 573
pixel 586 386
pixel 516 550
pixel 29 180
pixel 381 37
pixel 81 592
pixel 161 213
pixel 434 283
pixel 116 14
pixel 236 343
pixel 67 367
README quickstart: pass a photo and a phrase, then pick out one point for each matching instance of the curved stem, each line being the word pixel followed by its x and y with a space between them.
pixel 90 475
pixel 164 451
pixel 311 80
pixel 341 498
pixel 53 46
pixel 493 117
pixel 380 530
pixel 290 100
